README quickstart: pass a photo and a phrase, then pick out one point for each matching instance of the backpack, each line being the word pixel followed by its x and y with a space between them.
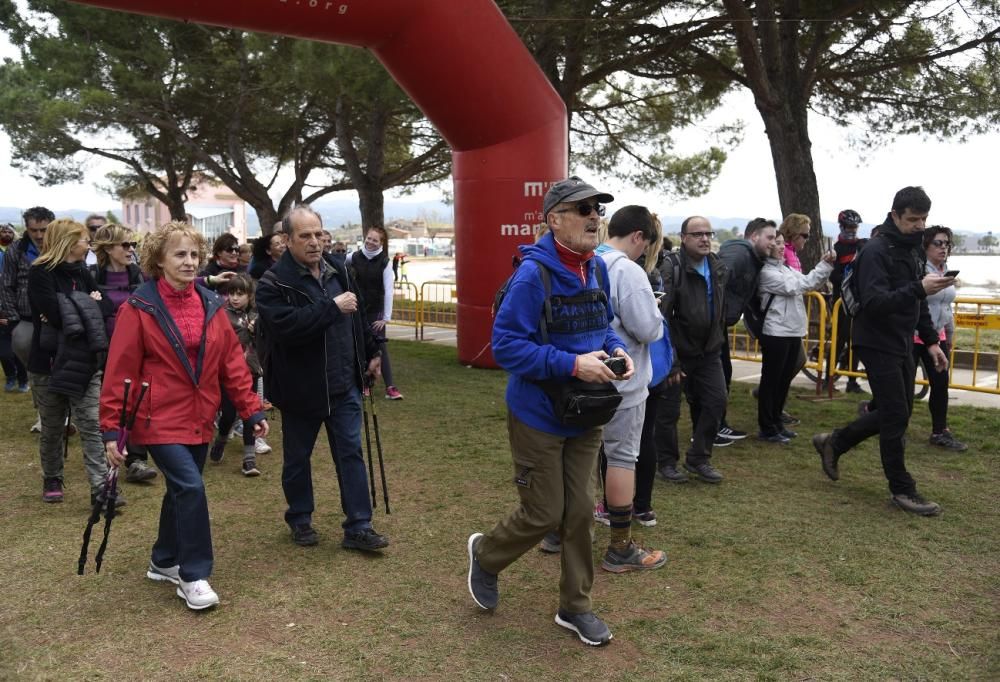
pixel 850 297
pixel 754 315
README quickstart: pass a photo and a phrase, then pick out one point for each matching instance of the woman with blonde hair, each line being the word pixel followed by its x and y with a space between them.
pixel 795 229
pixel 174 335
pixel 66 360
pixel 118 275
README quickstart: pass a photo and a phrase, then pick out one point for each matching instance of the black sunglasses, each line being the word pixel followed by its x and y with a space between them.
pixel 232 249
pixel 584 209
pixel 130 245
pixel 941 243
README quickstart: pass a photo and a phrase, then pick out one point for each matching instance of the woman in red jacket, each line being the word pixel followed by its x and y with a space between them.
pixel 174 335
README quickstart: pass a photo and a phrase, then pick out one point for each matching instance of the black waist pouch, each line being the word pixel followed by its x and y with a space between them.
pixel 580 404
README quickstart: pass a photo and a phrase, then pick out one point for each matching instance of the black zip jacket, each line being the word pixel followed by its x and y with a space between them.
pixel 694 330
pixel 893 301
pixel 743 267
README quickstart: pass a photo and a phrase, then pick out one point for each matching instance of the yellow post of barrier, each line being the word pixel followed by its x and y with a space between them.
pixel 405 304
pixel 438 305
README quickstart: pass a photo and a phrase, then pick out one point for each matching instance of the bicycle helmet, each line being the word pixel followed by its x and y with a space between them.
pixel 849 218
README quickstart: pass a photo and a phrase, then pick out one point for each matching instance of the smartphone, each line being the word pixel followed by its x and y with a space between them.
pixel 952 273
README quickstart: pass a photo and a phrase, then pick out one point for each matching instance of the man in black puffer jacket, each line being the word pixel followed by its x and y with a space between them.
pixel 893 303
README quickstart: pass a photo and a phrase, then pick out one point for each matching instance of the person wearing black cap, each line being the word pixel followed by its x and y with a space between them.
pixel 553 462
pixel 846 248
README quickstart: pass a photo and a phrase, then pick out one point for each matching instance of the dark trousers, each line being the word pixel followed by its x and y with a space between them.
pixel 668 413
pixel 705 389
pixel 645 466
pixel 185 535
pixel 13 368
pixel 781 360
pixel 727 368
pixel 891 380
pixel 844 322
pixel 228 418
pixel 343 431
pixel 938 401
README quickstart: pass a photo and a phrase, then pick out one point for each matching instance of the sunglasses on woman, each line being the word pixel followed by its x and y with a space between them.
pixel 232 249
pixel 130 245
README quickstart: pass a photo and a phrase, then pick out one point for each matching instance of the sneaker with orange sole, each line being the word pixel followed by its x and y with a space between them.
pixel 635 558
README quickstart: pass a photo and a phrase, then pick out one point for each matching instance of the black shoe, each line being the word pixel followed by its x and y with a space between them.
pixel 588 627
pixel 729 433
pixel 366 539
pixel 668 472
pixel 823 442
pixel 915 504
pixel 947 441
pixel 482 584
pixel 705 472
pixel 789 434
pixel 854 387
pixel 789 420
pixel 217 451
pixel 722 442
pixel 776 438
pixel 304 535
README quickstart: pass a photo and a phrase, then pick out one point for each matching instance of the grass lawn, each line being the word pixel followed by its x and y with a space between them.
pixel 777 573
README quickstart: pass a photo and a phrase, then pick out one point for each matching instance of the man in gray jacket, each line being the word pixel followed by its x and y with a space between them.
pixel 638 323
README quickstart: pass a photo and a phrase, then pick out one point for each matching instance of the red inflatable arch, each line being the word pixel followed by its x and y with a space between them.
pixel 472 77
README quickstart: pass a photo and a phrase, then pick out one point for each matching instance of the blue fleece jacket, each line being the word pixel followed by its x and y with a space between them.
pixel 517 340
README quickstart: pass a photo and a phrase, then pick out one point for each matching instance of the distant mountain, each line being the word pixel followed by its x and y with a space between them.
pixel 12 215
pixel 343 212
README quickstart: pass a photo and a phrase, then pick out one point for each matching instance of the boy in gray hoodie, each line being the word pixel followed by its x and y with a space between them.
pixel 638 323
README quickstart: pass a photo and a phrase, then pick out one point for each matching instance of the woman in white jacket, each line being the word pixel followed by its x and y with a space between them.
pixel 781 289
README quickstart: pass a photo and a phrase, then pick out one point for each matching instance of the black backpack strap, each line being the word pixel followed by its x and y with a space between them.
pixel 546 319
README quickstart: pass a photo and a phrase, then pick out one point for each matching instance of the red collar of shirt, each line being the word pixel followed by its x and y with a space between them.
pixel 168 292
pixel 574 261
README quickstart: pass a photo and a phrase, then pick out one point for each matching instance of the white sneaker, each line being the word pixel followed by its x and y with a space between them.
pixel 198 594
pixel 37 426
pixel 260 446
pixel 171 574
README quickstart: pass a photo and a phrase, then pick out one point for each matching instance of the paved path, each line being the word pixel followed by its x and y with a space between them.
pixel 749 372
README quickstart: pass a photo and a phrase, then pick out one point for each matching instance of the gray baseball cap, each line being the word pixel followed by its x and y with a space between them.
pixel 572 188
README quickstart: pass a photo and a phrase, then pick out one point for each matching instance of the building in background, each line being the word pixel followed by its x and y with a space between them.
pixel 212 208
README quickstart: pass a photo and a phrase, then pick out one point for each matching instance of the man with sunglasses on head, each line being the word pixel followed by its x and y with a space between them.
pixel 694 306
pixel 894 290
pixel 553 463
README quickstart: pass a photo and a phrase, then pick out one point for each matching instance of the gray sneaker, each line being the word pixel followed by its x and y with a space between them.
pixel 947 441
pixel 669 472
pixel 705 471
pixel 588 627
pixel 635 558
pixel 139 471
pixel 915 504
pixel 551 543
pixel 482 584
pixel 168 574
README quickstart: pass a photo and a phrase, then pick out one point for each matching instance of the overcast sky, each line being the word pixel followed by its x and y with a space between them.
pixel 958 176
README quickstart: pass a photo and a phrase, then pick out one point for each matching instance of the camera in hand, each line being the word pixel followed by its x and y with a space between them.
pixel 616 365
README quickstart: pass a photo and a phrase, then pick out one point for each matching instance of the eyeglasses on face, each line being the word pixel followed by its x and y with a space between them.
pixel 584 209
pixel 232 249
pixel 700 235
pixel 130 245
pixel 941 243
pixel 804 235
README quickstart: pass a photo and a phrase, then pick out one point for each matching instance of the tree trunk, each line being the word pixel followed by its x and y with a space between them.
pixel 791 152
pixel 267 217
pixel 371 201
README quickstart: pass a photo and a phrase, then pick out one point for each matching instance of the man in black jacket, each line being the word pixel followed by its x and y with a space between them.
pixel 893 303
pixel 311 319
pixel 744 259
pixel 694 307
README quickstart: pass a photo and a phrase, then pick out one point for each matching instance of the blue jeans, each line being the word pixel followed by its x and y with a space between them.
pixel 185 537
pixel 343 430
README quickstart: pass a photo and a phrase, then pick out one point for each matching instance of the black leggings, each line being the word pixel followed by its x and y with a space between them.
pixel 227 420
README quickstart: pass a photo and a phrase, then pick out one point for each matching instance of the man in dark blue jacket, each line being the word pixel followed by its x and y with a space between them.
pixel 311 318
pixel 553 462
pixel 893 303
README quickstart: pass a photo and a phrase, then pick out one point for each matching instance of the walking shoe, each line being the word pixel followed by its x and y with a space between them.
pixel 260 446
pixel 23 388
pixel 197 594
pixel 854 387
pixel 705 472
pixel 646 519
pixel 789 420
pixel 52 490
pixel 304 535
pixel 10 385
pixel 915 504
pixel 482 583
pixel 776 438
pixel 119 499
pixel 37 426
pixel 392 393
pixel 139 471
pixel 789 434
pixel 249 468
pixel 551 543
pixel 635 558
pixel 722 442
pixel 601 514
pixel 169 574
pixel 947 441
pixel 365 539
pixel 588 627
pixel 863 408
pixel 668 472
pixel 729 433
pixel 823 442
pixel 217 451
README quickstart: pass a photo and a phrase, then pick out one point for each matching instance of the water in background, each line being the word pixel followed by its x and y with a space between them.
pixel 979 276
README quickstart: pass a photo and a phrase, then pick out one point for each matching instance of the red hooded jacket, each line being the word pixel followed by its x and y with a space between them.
pixel 180 405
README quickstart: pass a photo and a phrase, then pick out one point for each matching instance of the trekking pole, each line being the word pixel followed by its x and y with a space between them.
pixel 69 419
pixel 368 442
pixel 381 462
